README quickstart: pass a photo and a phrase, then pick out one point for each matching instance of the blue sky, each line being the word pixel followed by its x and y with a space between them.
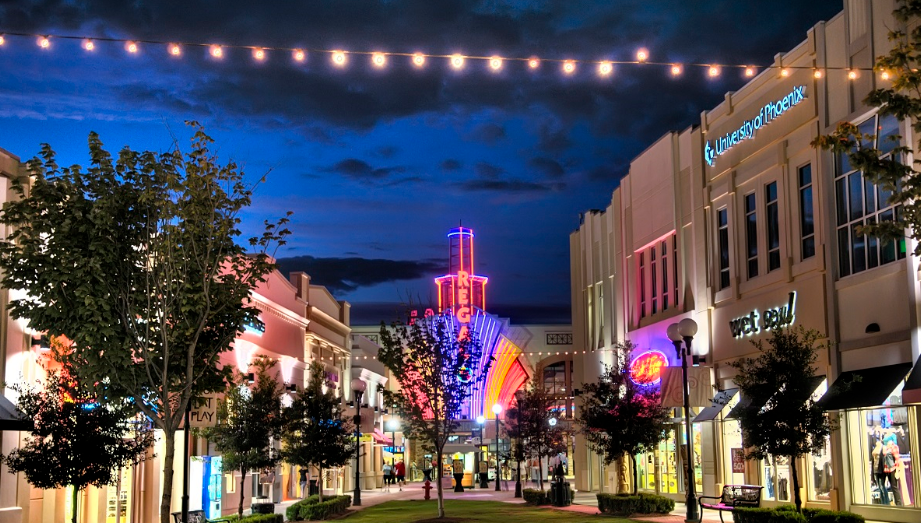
pixel 377 165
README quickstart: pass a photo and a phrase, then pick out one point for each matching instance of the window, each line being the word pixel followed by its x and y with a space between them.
pixel 806 215
pixel 722 222
pixel 657 283
pixel 751 235
pixel 557 380
pixel 773 226
pixel 859 202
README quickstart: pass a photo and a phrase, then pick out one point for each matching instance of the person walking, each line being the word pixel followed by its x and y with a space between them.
pixel 400 471
pixel 303 482
pixel 387 475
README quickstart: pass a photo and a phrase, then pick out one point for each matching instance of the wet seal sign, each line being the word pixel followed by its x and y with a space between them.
pixel 770 319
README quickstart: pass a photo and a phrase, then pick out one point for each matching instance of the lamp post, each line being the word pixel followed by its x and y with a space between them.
pixel 393 425
pixel 496 409
pixel 480 421
pixel 685 330
pixel 358 390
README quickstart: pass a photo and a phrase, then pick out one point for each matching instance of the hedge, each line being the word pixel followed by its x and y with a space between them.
pixel 535 497
pixel 788 514
pixel 257 518
pixel 628 504
pixel 311 509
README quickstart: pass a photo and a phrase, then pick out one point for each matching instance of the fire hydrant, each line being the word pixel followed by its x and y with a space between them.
pixel 427 487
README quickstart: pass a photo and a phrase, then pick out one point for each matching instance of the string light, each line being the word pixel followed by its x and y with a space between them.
pixel 569 67
pixel 714 71
pixel 642 55
pixel 339 58
pixel 852 75
pixel 2 40
pixel 884 75
pixel 495 63
pixel 44 42
pixel 88 45
pixel 817 74
pixel 299 55
pixel 175 50
pixel 605 68
pixel 216 51
pixel 784 72
pixel 259 54
pixel 533 63
pixel 131 47
pixel 418 59
pixel 676 69
pixel 457 61
pixel 749 72
pixel 378 59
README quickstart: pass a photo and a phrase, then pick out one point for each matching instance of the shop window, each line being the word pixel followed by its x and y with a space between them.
pixel 751 235
pixel 657 287
pixel 881 451
pixel 733 451
pixel 776 478
pixel 773 226
pixel 557 381
pixel 722 223
pixel 806 213
pixel 859 202
pixel 663 469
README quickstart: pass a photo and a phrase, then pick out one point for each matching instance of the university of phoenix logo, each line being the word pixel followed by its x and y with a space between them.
pixel 747 131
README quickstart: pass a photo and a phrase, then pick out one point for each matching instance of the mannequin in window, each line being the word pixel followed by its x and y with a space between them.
pixel 879 473
pixel 892 462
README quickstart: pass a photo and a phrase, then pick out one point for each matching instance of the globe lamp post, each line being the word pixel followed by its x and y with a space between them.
pixel 678 332
pixel 358 390
pixel 497 409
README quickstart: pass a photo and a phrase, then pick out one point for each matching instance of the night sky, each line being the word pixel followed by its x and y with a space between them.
pixel 377 165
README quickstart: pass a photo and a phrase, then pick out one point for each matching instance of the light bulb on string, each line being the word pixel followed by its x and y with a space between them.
pixel 713 71
pixel 817 74
pixel 216 51
pixel 44 42
pixel 569 67
pixel 676 69
pixel 259 54
pixel 457 61
pixel 642 55
pixel 495 63
pixel 175 50
pixel 379 59
pixel 533 63
pixel 89 45
pixel 852 75
pixel 339 58
pixel 2 40
pixel 299 55
pixel 131 47
pixel 418 59
pixel 884 75
pixel 784 72
pixel 749 72
pixel 605 68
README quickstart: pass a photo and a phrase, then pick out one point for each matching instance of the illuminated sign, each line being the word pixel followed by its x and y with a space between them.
pixel 646 369
pixel 749 127
pixel 770 319
pixel 462 311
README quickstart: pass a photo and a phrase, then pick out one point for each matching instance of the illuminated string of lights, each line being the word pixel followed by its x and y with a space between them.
pixel 380 59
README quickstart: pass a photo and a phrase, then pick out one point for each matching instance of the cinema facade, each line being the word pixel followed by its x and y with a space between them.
pixel 741 225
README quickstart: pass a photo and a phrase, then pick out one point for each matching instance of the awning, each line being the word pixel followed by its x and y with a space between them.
pixel 745 402
pixel 864 388
pixel 911 393
pixel 717 405
pixel 11 418
pixel 380 438
pixel 452 448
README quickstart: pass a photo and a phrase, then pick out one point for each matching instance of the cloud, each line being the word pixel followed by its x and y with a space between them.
pixel 362 171
pixel 489 133
pixel 486 170
pixel 352 273
pixel 511 186
pixel 450 165
pixel 549 167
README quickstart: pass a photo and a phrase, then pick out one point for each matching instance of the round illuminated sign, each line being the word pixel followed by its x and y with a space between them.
pixel 646 369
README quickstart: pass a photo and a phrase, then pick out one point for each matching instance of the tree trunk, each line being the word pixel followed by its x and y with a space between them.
pixel 633 463
pixel 320 483
pixel 73 509
pixel 540 472
pixel 169 436
pixel 441 498
pixel 796 499
pixel 242 491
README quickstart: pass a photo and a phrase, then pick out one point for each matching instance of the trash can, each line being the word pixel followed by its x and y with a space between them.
pixel 559 494
pixel 314 489
pixel 263 508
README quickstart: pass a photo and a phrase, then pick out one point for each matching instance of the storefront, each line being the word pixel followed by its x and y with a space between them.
pixel 663 470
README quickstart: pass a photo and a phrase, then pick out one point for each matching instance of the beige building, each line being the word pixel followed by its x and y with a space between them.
pixel 764 227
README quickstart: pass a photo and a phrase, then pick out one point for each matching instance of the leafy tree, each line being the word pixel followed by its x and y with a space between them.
pixel 77 440
pixel 436 372
pixel 247 421
pixel 618 415
pixel 887 165
pixel 534 407
pixel 135 259
pixel 514 430
pixel 782 418
pixel 315 431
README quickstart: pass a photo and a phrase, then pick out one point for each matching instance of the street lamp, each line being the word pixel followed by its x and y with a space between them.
pixel 480 421
pixel 358 390
pixel 685 330
pixel 496 409
pixel 393 425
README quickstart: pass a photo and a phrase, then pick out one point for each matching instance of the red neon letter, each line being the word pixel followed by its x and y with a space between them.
pixel 463 279
pixel 463 314
pixel 463 296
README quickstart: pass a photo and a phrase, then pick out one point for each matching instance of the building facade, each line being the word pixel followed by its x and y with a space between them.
pixel 766 238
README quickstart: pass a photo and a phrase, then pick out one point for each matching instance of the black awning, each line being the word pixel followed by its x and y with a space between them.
pixel 11 418
pixel 719 402
pixel 744 402
pixel 864 388
pixel 911 393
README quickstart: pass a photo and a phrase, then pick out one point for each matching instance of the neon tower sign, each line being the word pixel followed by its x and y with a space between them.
pixel 461 290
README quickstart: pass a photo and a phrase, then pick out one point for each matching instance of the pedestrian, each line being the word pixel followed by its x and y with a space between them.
pixel 400 470
pixel 303 482
pixel 387 470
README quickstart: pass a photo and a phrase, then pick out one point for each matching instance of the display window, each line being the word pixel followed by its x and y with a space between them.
pixel 663 469
pixel 882 445
pixel 775 477
pixel 820 477
pixel 734 453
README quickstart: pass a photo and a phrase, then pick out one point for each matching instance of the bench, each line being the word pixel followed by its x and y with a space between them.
pixel 748 496
pixel 195 516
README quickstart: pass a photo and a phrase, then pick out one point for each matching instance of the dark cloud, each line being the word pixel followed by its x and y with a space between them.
pixel 553 140
pixel 489 133
pixel 510 186
pixel 450 165
pixel 362 171
pixel 548 166
pixel 350 274
pixel 487 170
pixel 387 151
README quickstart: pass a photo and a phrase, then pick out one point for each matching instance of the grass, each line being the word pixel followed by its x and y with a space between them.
pixel 460 511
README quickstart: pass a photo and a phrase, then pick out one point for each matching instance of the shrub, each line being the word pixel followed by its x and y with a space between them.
pixel 318 511
pixel 535 497
pixel 257 518
pixel 788 514
pixel 817 515
pixel 291 513
pixel 627 504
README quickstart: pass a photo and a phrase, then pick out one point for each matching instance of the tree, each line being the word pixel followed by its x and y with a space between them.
pixel 77 440
pixel 315 431
pixel 248 420
pixel 620 416
pixel 541 439
pixel 135 260
pixel 437 373
pixel 886 165
pixel 783 418
pixel 514 430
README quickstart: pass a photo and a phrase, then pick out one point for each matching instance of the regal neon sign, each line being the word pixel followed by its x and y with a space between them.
pixel 748 129
pixel 646 369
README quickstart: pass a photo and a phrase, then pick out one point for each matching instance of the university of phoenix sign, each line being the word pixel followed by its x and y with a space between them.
pixel 768 113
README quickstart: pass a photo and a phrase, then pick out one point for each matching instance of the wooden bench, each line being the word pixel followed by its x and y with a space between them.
pixel 195 516
pixel 733 496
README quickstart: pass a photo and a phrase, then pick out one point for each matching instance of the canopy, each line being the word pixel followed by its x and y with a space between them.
pixel 11 418
pixel 717 405
pixel 864 388
pixel 911 393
